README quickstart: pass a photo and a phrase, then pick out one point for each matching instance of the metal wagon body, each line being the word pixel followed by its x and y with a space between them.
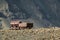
pixel 20 25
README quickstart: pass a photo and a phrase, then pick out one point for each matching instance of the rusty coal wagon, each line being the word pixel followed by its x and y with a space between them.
pixel 20 25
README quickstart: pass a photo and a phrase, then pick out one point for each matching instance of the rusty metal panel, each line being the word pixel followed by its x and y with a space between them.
pixel 22 24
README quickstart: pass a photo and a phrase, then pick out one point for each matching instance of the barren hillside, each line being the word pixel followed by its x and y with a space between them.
pixel 43 13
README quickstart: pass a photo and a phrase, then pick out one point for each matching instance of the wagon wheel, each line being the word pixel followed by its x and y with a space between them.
pixel 22 27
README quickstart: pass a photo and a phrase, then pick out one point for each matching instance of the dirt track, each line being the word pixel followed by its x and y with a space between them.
pixel 31 34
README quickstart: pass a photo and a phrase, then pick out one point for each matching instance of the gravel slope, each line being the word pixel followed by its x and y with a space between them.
pixel 31 34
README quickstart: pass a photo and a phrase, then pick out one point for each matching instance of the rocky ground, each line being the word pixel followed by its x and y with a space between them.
pixel 31 34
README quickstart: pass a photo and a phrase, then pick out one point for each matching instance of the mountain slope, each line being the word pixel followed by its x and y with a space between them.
pixel 43 13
